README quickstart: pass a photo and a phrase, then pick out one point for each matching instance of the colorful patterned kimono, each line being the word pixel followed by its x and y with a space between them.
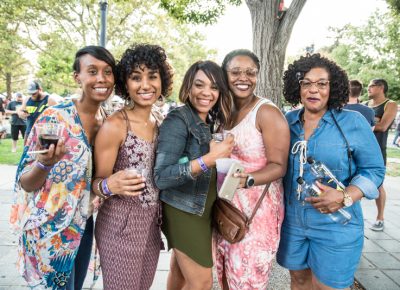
pixel 51 220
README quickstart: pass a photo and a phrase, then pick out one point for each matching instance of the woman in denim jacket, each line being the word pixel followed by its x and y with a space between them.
pixel 319 252
pixel 185 174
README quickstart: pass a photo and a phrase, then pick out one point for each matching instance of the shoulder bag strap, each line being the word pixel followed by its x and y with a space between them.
pixel 258 203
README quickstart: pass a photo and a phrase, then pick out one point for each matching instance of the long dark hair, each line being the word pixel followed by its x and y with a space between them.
pixel 221 112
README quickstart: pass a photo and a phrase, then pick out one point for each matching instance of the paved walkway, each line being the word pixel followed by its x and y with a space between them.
pixel 379 268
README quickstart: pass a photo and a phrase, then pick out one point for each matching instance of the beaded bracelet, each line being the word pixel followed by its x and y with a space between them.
pixel 97 187
pixel 203 166
pixel 40 165
pixel 106 191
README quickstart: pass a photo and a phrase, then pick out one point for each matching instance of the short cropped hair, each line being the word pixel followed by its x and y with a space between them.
pixel 381 82
pixel 355 88
pixel 98 52
pixel 237 52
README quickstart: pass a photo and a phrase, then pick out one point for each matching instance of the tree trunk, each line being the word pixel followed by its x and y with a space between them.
pixel 270 39
pixel 8 85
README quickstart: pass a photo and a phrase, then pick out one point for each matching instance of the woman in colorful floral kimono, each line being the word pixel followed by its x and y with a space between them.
pixel 52 209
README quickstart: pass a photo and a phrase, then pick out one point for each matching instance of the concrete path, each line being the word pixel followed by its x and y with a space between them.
pixel 379 267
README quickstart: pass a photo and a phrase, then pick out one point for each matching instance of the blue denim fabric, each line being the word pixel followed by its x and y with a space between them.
pixel 82 260
pixel 182 134
pixel 311 239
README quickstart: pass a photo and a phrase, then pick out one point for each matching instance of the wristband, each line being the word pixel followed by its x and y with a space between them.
pixel 105 190
pixel 203 166
pixel 40 165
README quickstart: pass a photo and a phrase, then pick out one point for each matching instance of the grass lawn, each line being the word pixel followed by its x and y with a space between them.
pixel 6 157
pixel 393 152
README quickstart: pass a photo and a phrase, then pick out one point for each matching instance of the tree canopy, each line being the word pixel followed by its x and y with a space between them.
pixel 370 51
pixel 272 25
pixel 13 65
pixel 56 29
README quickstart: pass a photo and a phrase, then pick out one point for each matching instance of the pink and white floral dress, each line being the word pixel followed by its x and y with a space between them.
pixel 247 264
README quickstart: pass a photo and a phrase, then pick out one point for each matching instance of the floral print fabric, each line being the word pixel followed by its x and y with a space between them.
pixel 247 264
pixel 51 220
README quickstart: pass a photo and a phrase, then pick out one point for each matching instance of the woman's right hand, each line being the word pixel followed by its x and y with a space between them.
pixel 222 149
pixel 53 155
pixel 126 182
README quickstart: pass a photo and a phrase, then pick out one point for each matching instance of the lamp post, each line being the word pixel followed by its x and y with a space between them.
pixel 103 10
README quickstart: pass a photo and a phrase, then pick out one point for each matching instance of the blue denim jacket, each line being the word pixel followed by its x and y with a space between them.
pixel 327 145
pixel 183 137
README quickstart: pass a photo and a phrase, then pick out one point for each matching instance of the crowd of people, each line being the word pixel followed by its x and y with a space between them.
pixel 118 181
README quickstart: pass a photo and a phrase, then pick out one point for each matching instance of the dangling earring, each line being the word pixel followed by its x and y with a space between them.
pixel 161 98
pixel 129 103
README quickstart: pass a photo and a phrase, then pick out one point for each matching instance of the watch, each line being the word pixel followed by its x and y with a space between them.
pixel 347 200
pixel 249 181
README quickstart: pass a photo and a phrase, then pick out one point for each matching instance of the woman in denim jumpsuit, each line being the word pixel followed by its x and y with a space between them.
pixel 321 253
pixel 185 174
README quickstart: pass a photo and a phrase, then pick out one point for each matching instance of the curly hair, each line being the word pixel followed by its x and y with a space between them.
pixel 221 112
pixel 153 57
pixel 338 80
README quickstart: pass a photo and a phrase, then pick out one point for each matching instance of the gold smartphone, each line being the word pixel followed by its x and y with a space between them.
pixel 230 184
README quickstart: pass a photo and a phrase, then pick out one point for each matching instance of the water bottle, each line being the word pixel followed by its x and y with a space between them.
pixel 311 189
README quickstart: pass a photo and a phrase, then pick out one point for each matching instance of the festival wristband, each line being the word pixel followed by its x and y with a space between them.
pixel 43 167
pixel 106 191
pixel 203 166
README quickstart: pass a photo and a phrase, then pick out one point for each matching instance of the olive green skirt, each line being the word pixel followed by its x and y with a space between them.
pixel 190 233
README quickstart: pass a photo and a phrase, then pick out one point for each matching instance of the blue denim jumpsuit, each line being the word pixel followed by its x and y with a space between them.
pixel 309 238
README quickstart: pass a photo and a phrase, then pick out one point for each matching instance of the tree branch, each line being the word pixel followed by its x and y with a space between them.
pixel 288 20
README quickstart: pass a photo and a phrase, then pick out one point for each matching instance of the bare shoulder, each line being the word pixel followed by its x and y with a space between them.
pixel 52 101
pixel 392 104
pixel 114 127
pixel 269 112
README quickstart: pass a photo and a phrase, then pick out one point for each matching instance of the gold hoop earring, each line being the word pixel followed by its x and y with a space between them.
pixel 129 103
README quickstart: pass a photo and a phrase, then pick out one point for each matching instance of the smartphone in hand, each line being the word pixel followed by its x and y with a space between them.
pixel 230 184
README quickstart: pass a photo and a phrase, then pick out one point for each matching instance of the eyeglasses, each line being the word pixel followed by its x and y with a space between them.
pixel 320 85
pixel 248 72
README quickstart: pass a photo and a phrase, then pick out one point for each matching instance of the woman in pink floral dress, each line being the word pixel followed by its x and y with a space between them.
pixel 262 145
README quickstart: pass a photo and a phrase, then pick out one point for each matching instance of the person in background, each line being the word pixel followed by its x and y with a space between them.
pixel 128 231
pixel 319 252
pixel 34 105
pixel 396 140
pixel 17 124
pixel 355 88
pixel 2 109
pixel 185 173
pixel 52 210
pixel 3 130
pixel 261 146
pixel 385 112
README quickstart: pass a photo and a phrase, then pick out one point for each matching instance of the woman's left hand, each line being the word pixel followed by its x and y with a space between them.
pixel 330 200
pixel 243 177
pixel 97 202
